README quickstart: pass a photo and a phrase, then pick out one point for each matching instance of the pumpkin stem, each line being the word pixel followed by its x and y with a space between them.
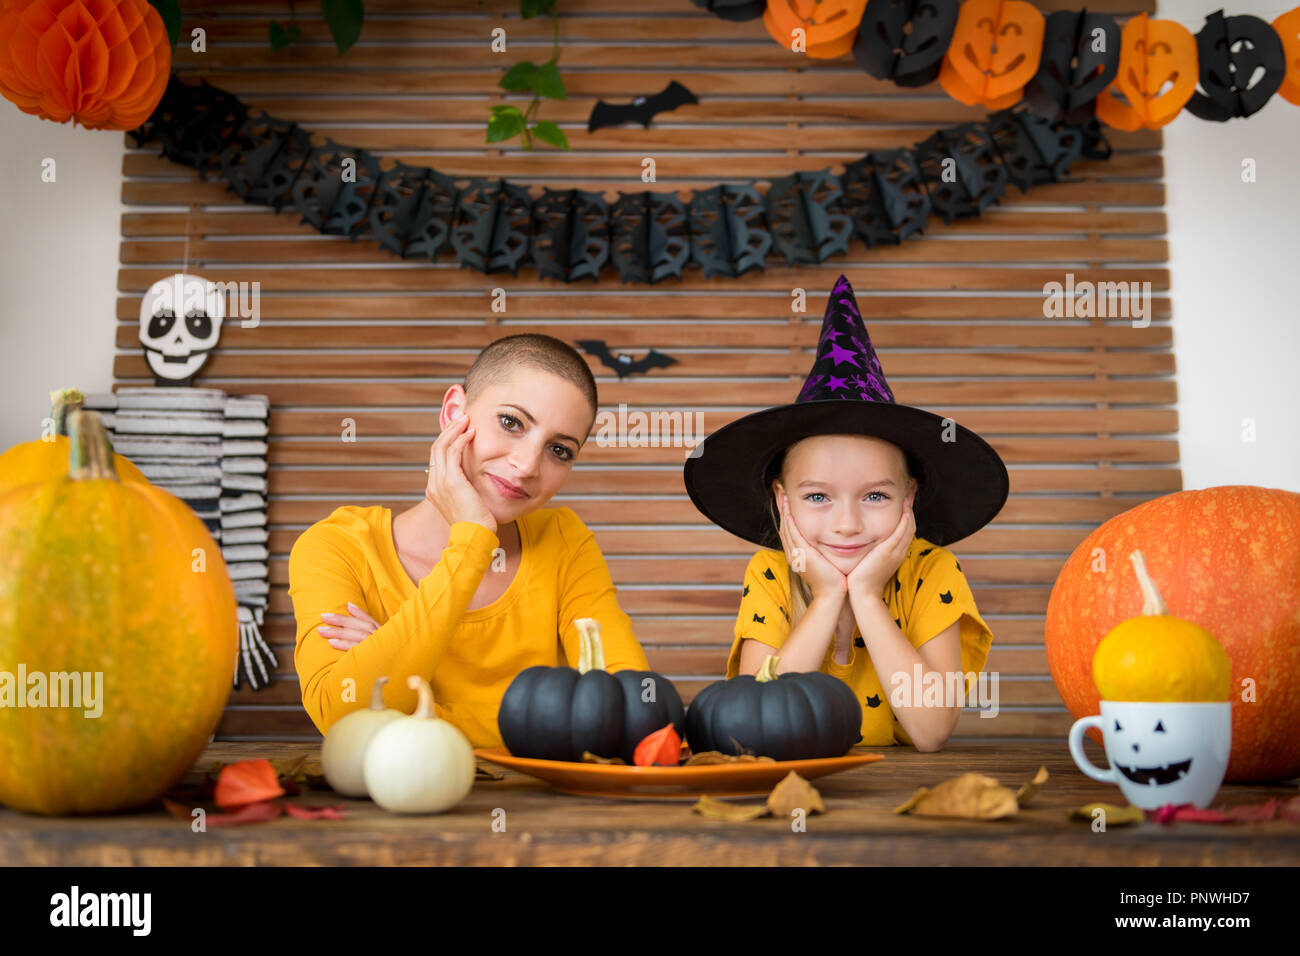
pixel 591 652
pixel 377 694
pixel 768 671
pixel 421 686
pixel 91 454
pixel 62 401
pixel 1152 602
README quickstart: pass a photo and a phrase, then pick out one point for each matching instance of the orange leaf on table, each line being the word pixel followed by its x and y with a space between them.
pixel 313 813
pixel 663 746
pixel 249 813
pixel 245 782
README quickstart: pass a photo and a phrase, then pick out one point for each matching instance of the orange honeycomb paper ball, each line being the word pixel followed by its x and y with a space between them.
pixel 101 63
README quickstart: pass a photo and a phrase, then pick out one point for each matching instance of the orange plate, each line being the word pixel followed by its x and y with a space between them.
pixel 668 783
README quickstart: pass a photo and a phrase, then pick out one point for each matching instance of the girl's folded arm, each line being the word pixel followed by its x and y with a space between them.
pixel 322 579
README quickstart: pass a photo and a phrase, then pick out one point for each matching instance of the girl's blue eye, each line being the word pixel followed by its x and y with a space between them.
pixel 811 495
pixel 881 493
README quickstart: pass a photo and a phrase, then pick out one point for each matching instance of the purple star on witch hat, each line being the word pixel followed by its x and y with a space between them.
pixel 963 481
pixel 845 354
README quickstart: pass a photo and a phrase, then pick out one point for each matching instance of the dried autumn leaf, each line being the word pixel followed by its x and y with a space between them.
pixel 1187 814
pixel 794 793
pixel 589 757
pixel 179 810
pixel 249 813
pixel 1255 812
pixel 971 796
pixel 710 757
pixel 313 813
pixel 1027 791
pixel 487 773
pixel 912 801
pixel 247 781
pixel 1114 816
pixel 733 812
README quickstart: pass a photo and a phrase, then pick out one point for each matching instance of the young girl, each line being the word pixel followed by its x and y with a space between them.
pixel 852 496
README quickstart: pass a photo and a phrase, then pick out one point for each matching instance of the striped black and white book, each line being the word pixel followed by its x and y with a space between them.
pixel 171 399
pixel 242 570
pixel 190 446
pixel 247 406
pixel 158 473
pixel 245 428
pixel 233 447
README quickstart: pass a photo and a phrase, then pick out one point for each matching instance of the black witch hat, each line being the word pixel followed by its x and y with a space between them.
pixel 964 483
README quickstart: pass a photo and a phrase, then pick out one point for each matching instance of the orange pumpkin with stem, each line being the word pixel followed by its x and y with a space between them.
pixel 1227 559
pixel 46 458
pixel 122 582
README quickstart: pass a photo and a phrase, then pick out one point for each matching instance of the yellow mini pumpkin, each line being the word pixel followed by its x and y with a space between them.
pixel 1156 656
pixel 47 458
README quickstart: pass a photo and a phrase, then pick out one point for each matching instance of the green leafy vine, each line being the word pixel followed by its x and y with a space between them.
pixel 508 120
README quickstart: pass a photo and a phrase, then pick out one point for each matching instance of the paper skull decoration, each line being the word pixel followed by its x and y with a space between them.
pixel 905 40
pixel 829 26
pixel 1288 30
pixel 994 52
pixel 1080 58
pixel 1231 50
pixel 1157 75
pixel 180 322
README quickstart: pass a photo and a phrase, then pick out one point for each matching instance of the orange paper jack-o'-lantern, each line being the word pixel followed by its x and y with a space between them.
pixel 1288 28
pixel 1157 75
pixel 101 63
pixel 994 52
pixel 830 26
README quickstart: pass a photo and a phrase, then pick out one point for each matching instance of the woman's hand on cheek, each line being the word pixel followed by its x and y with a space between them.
pixel 879 564
pixel 824 579
pixel 448 489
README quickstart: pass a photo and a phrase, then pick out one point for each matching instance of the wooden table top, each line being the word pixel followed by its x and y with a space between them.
pixel 546 827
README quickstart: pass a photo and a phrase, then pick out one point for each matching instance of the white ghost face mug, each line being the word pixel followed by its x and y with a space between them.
pixel 1160 751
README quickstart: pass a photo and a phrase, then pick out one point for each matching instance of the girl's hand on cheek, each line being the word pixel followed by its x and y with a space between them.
pixel 879 564
pixel 824 579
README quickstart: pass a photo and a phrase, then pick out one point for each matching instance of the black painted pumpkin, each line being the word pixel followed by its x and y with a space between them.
pixel 555 713
pixel 795 716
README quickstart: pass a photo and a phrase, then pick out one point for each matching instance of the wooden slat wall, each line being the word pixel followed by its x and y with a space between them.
pixel 1080 410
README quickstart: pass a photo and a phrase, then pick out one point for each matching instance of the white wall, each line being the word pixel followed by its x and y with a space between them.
pixel 1232 250
pixel 58 265
pixel 1233 268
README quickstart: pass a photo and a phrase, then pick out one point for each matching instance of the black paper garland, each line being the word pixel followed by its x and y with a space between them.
pixel 493 226
pixel 905 40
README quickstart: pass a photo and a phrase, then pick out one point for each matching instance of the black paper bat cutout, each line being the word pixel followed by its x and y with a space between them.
pixel 625 365
pixel 641 110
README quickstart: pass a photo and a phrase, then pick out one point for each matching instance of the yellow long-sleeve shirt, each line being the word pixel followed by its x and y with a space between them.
pixel 468 656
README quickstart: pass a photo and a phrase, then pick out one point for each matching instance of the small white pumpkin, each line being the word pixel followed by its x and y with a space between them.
pixel 343 753
pixel 421 763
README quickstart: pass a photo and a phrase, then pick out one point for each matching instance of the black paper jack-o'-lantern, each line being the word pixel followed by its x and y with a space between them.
pixel 905 40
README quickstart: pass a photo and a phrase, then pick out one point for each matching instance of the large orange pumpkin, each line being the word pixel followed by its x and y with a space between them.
pixel 47 457
pixel 1228 560
pixel 116 579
